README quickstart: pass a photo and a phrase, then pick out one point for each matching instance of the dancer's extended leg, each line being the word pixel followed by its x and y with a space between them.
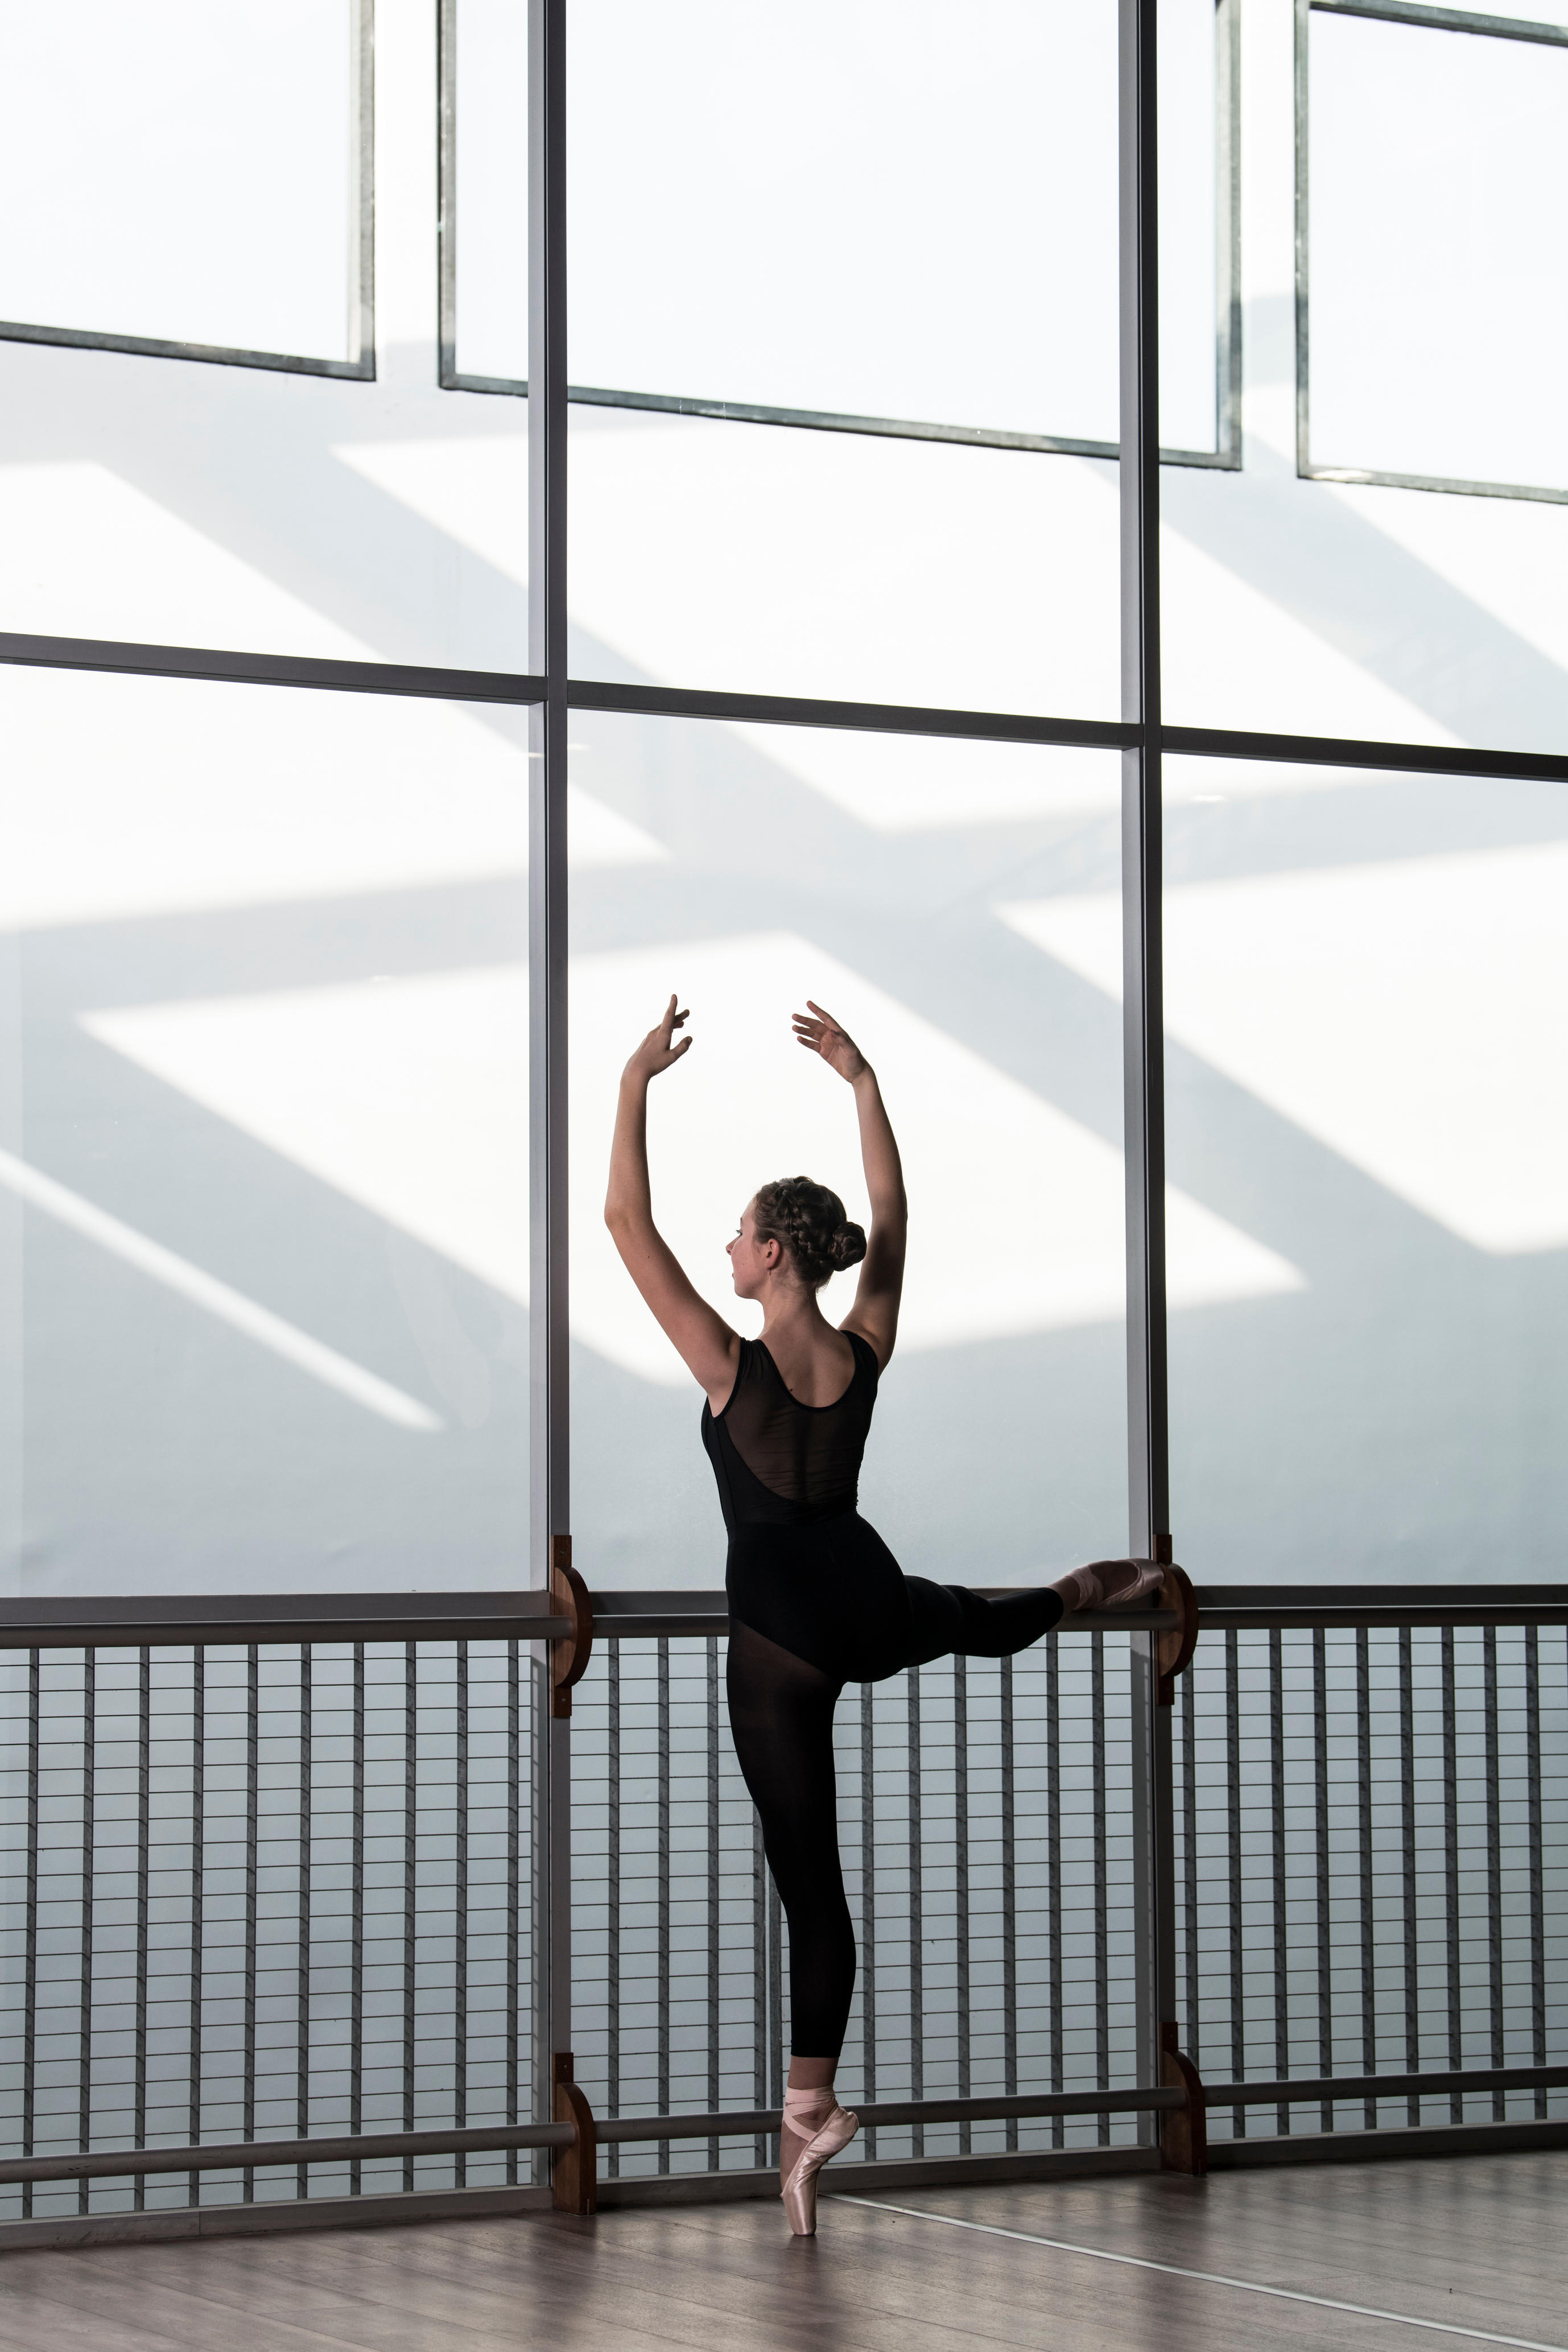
pixel 950 1618
pixel 781 1713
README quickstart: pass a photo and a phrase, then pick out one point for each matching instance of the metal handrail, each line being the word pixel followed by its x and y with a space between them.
pixel 875 2114
pixel 255 2155
pixel 1298 2090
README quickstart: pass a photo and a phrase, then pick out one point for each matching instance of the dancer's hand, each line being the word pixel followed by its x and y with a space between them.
pixel 819 1033
pixel 658 1049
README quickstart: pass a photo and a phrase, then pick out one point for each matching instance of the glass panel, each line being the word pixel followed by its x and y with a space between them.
pixel 486 68
pixel 263 1138
pixel 901 882
pixel 1336 607
pixel 927 233
pixel 159 500
pixel 1439 254
pixel 769 561
pixel 863 211
pixel 183 172
pixel 1366 988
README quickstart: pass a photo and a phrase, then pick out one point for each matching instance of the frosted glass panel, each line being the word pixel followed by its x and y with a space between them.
pixel 175 502
pixel 863 209
pixel 487 88
pixel 1366 987
pixel 899 882
pixel 1438 252
pixel 182 171
pixel 263 1138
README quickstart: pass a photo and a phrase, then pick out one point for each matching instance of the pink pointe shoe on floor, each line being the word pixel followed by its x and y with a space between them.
pixel 826 2127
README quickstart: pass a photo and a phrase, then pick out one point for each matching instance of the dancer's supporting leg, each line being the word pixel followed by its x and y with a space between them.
pixel 781 1713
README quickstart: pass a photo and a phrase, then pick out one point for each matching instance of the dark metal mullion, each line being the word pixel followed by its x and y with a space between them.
pixel 775 2001
pixel 1407 1863
pixel 198 1896
pixel 1364 1860
pixel 1143 1119
pixel 711 1662
pixel 613 1896
pixel 1009 1905
pixel 513 1891
pixel 1054 1874
pixel 519 689
pixel 1234 1913
pixel 868 1903
pixel 1537 1879
pixel 1451 1872
pixel 144 1858
pixel 30 1954
pixel 356 1922
pixel 662 1890
pixel 1101 1919
pixel 1280 1858
pixel 759 1979
pixel 549 1518
pixel 917 1906
pixel 960 1878
pixel 410 1881
pixel 302 1958
pixel 252 1836
pixel 460 1919
pixel 1494 1869
pixel 1325 1979
pixel 89 1793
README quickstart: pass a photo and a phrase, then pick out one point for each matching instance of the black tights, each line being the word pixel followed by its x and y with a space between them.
pixel 781 1714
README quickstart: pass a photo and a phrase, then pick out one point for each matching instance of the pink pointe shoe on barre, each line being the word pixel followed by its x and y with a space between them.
pixel 826 2127
pixel 1143 1585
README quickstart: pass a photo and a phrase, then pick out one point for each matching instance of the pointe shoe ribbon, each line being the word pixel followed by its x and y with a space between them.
pixel 834 2130
pixel 1149 1580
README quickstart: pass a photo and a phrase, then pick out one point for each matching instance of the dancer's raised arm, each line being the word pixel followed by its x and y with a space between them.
pixel 875 1314
pixel 705 1342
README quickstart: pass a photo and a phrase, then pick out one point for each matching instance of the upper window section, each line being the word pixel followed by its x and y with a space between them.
pixel 181 174
pixel 1435 196
pixel 875 216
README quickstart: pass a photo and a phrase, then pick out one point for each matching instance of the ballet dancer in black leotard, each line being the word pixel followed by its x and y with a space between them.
pixel 816 1599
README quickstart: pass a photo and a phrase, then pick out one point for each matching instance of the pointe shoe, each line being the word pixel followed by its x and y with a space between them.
pixel 834 2130
pixel 1148 1581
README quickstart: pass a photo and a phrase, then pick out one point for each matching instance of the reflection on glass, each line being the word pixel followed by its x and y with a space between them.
pixel 1366 989
pixel 889 880
pixel 183 172
pixel 263 1138
pixel 1439 294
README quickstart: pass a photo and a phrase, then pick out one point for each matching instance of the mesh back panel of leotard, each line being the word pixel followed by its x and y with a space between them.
pixel 806 1460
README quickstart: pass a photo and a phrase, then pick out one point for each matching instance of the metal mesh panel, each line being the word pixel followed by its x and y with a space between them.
pixel 1372 1865
pixel 984 1824
pixel 260 1892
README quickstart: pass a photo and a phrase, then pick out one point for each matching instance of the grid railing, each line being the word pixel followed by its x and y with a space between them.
pixel 985 1822
pixel 263 1891
pixel 1372 1865
pixel 282 1895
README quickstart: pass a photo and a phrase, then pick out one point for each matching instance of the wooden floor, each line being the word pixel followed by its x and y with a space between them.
pixel 1474 2243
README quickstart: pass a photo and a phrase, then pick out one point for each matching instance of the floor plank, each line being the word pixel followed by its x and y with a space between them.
pixel 1470 2243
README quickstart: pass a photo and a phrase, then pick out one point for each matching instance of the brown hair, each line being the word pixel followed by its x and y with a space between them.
pixel 808 1221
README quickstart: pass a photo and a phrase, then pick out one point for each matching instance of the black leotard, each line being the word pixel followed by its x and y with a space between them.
pixel 805 1568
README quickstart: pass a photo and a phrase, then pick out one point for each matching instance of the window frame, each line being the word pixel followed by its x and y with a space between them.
pixel 361 367
pixel 1226 456
pixel 1434 19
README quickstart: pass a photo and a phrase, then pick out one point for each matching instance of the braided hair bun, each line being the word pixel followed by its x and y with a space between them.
pixel 808 1221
